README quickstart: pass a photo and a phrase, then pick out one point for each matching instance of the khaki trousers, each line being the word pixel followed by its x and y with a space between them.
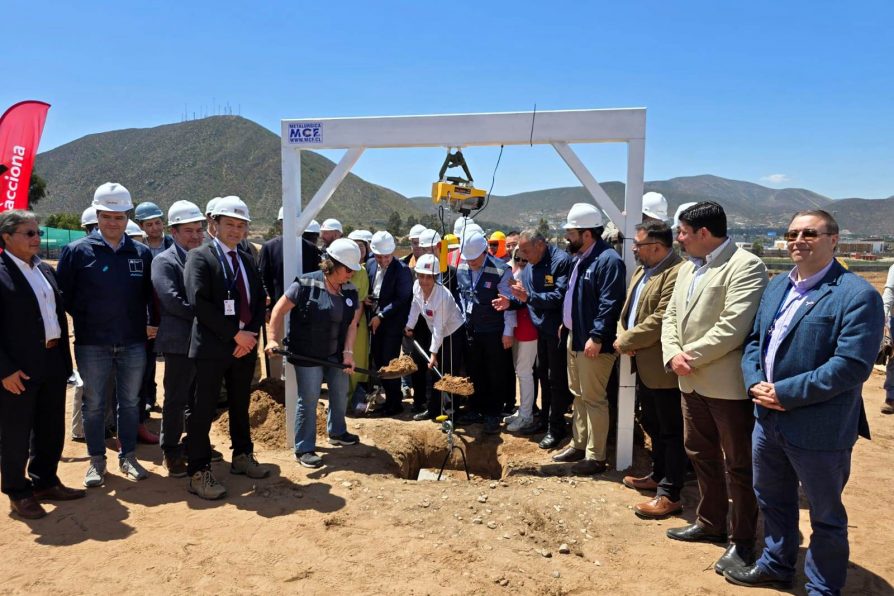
pixel 587 381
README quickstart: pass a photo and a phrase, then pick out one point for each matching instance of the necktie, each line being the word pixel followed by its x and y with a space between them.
pixel 244 309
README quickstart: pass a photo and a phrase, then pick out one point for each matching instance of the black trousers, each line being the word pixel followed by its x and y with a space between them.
pixel 662 419
pixel 148 389
pixel 420 380
pixel 33 424
pixel 180 391
pixel 385 347
pixel 451 360
pixel 485 353
pixel 552 368
pixel 236 374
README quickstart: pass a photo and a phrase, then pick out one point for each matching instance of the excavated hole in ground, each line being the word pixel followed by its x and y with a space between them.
pixel 425 449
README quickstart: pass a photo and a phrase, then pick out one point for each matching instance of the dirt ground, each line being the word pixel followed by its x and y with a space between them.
pixel 360 526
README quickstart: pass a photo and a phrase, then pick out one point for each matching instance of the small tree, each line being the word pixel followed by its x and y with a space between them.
pixel 394 224
pixel 37 189
pixel 543 227
pixel 757 248
pixel 411 221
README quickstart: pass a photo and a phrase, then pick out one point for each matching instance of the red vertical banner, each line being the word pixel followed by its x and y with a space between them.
pixel 20 130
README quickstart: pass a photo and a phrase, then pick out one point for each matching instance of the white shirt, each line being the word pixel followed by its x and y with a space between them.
pixel 377 282
pixel 229 264
pixel 43 291
pixel 702 267
pixel 440 312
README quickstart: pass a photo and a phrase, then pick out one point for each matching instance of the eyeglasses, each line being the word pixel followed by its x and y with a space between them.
pixel 807 233
pixel 642 244
pixel 31 233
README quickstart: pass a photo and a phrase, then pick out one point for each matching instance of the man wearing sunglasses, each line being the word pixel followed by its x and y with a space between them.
pixel 35 363
pixel 813 345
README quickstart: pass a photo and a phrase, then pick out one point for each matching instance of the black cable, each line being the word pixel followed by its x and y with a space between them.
pixel 533 118
pixel 492 181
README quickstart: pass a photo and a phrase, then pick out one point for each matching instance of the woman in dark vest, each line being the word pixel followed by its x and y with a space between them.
pixel 325 310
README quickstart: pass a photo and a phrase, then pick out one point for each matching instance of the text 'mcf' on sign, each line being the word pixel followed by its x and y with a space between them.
pixel 305 133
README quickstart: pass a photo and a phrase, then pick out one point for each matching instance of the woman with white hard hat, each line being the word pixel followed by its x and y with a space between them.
pixel 325 310
pixel 89 220
pixel 357 389
pixel 444 320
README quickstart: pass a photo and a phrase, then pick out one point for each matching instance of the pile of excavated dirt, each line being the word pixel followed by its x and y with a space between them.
pixel 266 414
pixel 456 385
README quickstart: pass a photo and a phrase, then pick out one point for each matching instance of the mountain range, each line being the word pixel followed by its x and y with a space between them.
pixel 200 159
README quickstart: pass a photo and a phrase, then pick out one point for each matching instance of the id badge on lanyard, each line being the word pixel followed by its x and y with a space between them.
pixel 229 304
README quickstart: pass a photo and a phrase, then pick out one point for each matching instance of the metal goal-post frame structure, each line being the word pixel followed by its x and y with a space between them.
pixel 559 128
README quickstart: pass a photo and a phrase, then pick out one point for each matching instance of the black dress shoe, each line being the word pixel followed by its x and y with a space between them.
pixel 694 533
pixel 551 441
pixel 737 555
pixel 755 577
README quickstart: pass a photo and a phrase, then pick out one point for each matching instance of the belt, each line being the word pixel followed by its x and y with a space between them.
pixel 52 343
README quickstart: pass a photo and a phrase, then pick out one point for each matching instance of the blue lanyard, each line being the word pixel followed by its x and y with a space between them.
pixel 231 282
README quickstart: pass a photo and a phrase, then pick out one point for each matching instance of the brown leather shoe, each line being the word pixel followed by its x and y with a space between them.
pixel 569 454
pixel 658 508
pixel 59 493
pixel 28 508
pixel 588 467
pixel 646 483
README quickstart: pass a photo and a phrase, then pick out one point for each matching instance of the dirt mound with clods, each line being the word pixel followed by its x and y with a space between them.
pixel 402 365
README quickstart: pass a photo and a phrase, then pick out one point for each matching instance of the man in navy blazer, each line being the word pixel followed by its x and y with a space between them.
pixel 390 294
pixel 813 344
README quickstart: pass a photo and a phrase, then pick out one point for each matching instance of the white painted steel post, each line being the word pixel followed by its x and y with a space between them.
pixel 633 204
pixel 291 251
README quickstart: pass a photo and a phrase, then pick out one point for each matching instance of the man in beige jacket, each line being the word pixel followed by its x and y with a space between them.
pixel 657 389
pixel 705 326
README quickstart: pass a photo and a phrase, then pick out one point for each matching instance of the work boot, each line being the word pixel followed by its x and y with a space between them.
pixel 309 459
pixel 204 484
pixel 344 439
pixel 175 465
pixel 96 472
pixel 247 464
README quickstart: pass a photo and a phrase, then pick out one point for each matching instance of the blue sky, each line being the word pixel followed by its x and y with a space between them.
pixel 785 94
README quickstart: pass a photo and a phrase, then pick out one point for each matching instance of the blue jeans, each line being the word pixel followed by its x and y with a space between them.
pixel 778 466
pixel 98 365
pixel 889 371
pixel 310 381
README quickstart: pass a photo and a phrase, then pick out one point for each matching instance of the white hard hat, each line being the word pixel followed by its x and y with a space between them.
pixel 655 205
pixel 133 229
pixel 429 238
pixel 88 217
pixel 209 208
pixel 462 223
pixel 364 235
pixel 473 229
pixel 111 196
pixel 680 210
pixel 231 206
pixel 182 212
pixel 416 231
pixel 331 225
pixel 345 252
pixel 474 246
pixel 382 243
pixel 427 264
pixel 313 227
pixel 583 216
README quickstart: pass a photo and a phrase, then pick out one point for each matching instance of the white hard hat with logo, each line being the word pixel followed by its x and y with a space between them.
pixel 209 208
pixel 680 210
pixel 415 231
pixel 429 238
pixel 331 225
pixel 473 246
pixel 313 227
pixel 345 252
pixel 428 265
pixel 133 230
pixel 583 216
pixel 231 206
pixel 112 196
pixel 382 243
pixel 88 217
pixel 655 205
pixel 182 212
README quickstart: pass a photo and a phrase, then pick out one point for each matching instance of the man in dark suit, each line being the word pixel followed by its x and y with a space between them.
pixel 35 363
pixel 174 330
pixel 226 293
pixel 813 344
pixel 390 295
